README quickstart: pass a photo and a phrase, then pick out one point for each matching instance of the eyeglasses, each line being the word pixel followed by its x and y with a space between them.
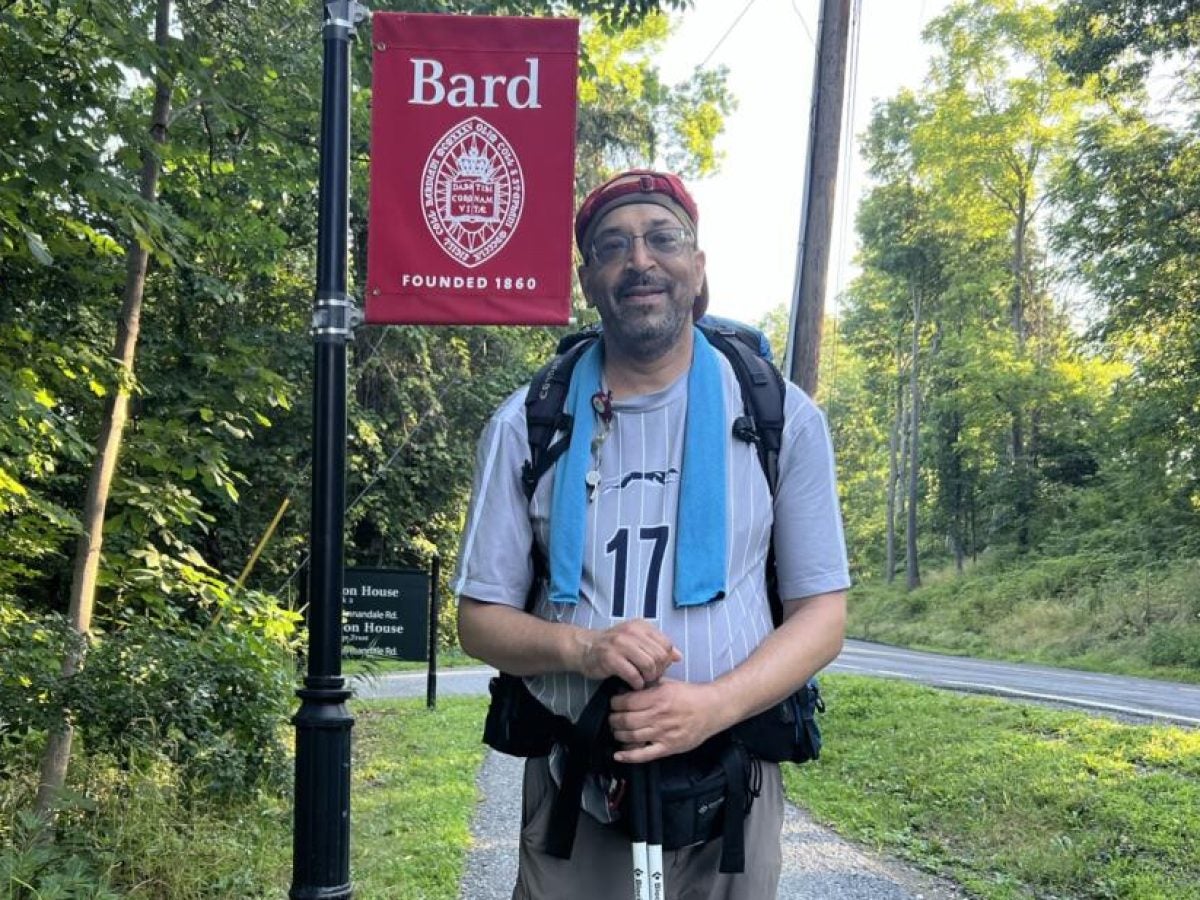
pixel 661 242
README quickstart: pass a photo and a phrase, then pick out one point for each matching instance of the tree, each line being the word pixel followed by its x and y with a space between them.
pixel 87 556
pixel 1131 228
pixel 1001 111
pixel 1121 39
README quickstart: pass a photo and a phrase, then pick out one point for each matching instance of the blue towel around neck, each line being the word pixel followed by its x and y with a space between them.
pixel 701 524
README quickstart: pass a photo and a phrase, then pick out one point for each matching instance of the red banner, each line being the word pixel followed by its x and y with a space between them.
pixel 472 169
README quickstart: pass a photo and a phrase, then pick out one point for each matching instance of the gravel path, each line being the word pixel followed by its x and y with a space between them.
pixel 817 864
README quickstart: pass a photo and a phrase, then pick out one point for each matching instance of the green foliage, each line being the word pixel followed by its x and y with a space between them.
pixel 1035 437
pixel 125 831
pixel 629 117
pixel 211 697
pixel 30 683
pixel 1121 38
pixel 1010 801
pixel 186 682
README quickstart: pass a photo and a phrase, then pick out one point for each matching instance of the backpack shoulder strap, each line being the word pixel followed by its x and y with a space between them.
pixel 763 393
pixel 544 413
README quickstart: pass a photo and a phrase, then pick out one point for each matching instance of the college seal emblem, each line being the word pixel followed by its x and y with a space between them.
pixel 472 192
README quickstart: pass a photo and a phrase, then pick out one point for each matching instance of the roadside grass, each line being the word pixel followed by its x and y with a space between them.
pixel 128 829
pixel 1088 610
pixel 1010 801
pixel 413 796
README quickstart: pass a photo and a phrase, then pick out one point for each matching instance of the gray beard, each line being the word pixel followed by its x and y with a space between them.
pixel 647 340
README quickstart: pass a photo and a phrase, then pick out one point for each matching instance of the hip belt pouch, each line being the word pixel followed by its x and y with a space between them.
pixel 704 795
pixel 516 723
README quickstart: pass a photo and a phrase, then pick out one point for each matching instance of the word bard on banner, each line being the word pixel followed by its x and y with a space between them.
pixel 520 91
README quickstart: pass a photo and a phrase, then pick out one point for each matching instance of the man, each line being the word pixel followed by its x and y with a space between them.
pixel 657 567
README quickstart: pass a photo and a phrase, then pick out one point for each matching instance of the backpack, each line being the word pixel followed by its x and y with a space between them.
pixel 519 725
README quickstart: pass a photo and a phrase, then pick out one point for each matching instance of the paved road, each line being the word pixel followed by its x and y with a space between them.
pixel 1138 698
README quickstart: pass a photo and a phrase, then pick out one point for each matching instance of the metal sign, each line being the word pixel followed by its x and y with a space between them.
pixel 385 613
pixel 472 169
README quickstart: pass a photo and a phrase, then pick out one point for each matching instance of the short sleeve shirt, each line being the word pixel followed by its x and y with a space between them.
pixel 629 550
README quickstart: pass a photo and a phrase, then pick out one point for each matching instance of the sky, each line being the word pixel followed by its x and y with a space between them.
pixel 750 209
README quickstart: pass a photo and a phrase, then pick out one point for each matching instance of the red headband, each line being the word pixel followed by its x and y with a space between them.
pixel 635 186
pixel 640 186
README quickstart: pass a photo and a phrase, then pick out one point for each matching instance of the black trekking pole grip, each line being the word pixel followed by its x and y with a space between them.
pixel 637 831
pixel 654 832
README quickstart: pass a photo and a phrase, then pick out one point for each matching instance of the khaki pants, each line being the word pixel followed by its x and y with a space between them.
pixel 600 867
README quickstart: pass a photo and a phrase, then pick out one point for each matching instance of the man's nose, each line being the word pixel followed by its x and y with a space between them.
pixel 640 257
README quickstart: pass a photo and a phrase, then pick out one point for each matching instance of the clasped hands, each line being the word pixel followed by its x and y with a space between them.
pixel 658 716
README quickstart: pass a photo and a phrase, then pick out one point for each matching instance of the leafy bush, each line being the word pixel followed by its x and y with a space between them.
pixel 213 698
pixel 1175 645
pixel 213 701
pixel 32 648
pixel 125 830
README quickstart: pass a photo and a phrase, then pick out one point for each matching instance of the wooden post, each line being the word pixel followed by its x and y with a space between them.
pixel 820 182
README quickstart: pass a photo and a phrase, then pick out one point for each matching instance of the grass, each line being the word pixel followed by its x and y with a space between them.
pixel 126 831
pixel 413 795
pixel 1010 801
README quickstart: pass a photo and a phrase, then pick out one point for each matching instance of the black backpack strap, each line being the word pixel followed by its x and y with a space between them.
pixel 735 762
pixel 544 413
pixel 584 750
pixel 763 393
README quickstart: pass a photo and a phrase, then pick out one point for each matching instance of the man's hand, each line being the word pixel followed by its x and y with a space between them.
pixel 635 651
pixel 662 720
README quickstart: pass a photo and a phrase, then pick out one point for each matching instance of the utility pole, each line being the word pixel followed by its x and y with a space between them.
pixel 820 183
pixel 321 824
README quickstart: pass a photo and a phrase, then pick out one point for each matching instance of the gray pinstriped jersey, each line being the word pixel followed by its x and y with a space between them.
pixel 628 567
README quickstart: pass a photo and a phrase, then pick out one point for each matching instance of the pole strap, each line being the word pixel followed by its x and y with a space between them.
pixel 341 17
pixel 335 315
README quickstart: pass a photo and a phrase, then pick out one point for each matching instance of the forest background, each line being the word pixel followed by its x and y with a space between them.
pixel 1013 384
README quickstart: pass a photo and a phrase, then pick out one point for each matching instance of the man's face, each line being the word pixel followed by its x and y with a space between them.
pixel 644 296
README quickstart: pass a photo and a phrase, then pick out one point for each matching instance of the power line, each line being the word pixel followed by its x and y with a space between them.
pixel 728 31
pixel 799 15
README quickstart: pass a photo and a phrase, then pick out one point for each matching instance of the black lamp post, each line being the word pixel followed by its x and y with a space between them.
pixel 321 826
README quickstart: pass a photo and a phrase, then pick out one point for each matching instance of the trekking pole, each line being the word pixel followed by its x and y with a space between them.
pixel 637 810
pixel 654 833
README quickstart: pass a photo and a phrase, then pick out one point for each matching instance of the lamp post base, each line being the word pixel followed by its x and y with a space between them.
pixel 320 839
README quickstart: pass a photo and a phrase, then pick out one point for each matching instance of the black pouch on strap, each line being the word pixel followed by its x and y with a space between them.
pixel 787 732
pixel 516 723
pixel 705 794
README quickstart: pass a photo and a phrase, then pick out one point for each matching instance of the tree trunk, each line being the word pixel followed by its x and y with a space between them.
pixel 1016 311
pixel 57 754
pixel 894 480
pixel 1017 449
pixel 914 466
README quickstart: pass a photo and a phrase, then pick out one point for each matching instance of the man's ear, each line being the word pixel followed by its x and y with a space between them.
pixel 700 261
pixel 582 274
